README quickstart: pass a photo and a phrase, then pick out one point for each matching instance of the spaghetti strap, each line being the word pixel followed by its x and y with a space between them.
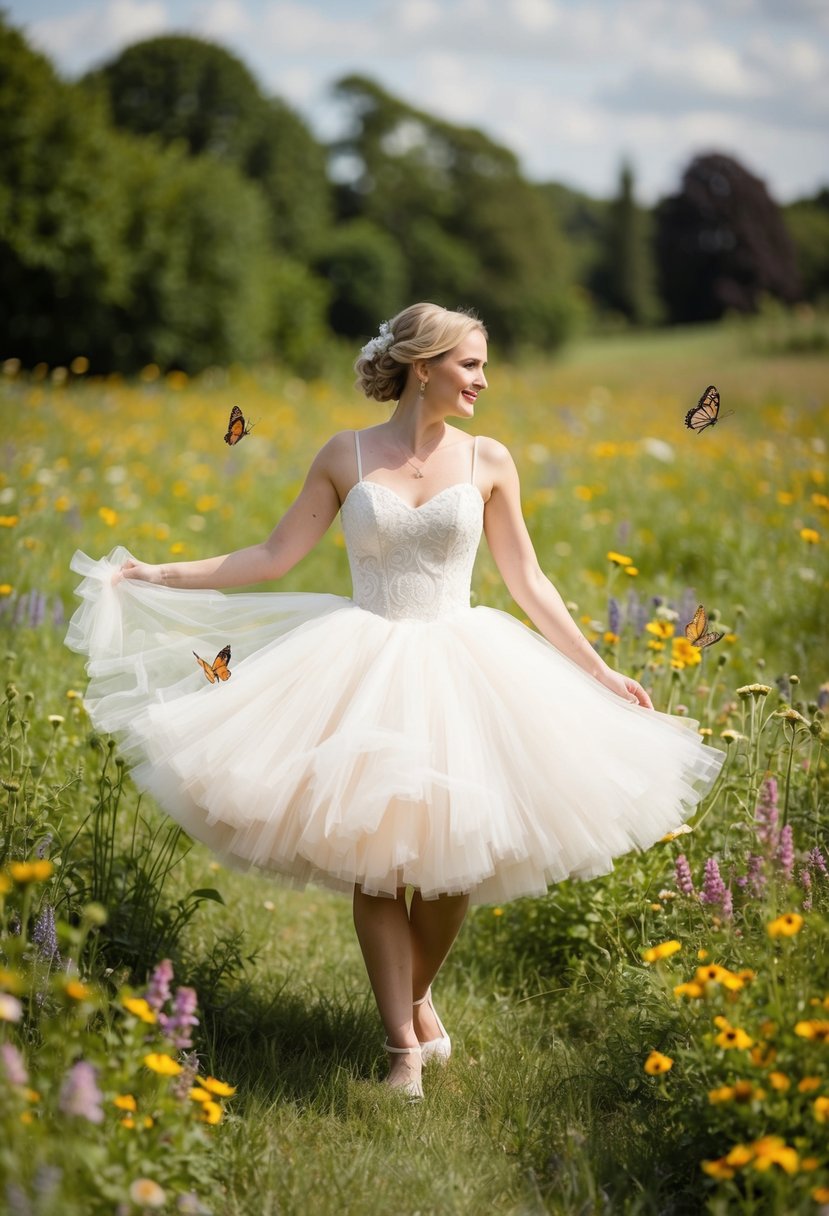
pixel 474 454
pixel 359 461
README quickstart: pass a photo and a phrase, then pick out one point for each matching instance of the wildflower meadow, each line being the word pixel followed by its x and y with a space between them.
pixel 179 1038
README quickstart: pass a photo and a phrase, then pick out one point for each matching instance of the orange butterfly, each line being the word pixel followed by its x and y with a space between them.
pixel 695 630
pixel 706 412
pixel 237 427
pixel 219 669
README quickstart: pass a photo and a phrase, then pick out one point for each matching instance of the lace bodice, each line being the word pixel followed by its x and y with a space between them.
pixel 412 561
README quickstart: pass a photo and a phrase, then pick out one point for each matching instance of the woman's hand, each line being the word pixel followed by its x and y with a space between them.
pixel 143 571
pixel 626 688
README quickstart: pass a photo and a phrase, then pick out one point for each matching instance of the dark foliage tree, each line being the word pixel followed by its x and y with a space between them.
pixel 185 89
pixel 721 243
pixel 366 276
pixel 470 228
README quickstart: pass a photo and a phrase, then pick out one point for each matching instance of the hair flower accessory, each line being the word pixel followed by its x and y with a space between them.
pixel 380 344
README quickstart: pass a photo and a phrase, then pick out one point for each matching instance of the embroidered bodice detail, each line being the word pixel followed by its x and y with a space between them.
pixel 412 561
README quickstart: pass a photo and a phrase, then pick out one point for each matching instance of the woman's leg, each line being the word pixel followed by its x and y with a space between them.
pixel 382 926
pixel 433 925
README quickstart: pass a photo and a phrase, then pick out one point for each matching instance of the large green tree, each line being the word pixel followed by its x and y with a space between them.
pixel 808 223
pixel 625 276
pixel 471 229
pixel 185 89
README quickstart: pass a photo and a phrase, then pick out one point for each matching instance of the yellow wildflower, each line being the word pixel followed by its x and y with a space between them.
pixel 138 1006
pixel 786 925
pixel 632 571
pixel 163 1064
pixel 820 1194
pixel 690 990
pixel 9 521
pixel 717 1169
pixel 211 1112
pixel 218 1087
pixel 199 1094
pixel 661 629
pixel 619 559
pixel 656 1063
pixel 817 1030
pixel 810 535
pixel 733 1036
pixel 31 871
pixel 711 973
pixel 77 991
pixel 125 1102
pixel 663 950
pixel 109 516
pixel 740 1155
pixel 6 588
pixel 772 1150
pixel 725 1093
pixel 808 1085
pixel 779 1081
pixel 683 652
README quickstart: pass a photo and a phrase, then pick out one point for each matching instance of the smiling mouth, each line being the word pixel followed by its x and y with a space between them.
pixel 469 394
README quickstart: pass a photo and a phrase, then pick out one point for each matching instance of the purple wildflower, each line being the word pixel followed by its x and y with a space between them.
pixel 44 934
pixel 158 992
pixel 80 1094
pixel 755 878
pixel 713 886
pixel 176 1025
pixel 785 851
pixel 614 615
pixel 682 876
pixel 37 609
pixel 13 1064
pixel 807 904
pixel 806 879
pixel 766 813
pixel 818 862
pixel 20 609
pixel 58 615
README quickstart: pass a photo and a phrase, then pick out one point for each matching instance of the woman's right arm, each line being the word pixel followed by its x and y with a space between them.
pixel 304 523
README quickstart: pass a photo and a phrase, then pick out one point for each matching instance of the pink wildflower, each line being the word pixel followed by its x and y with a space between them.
pixel 80 1094
pixel 766 813
pixel 682 875
pixel 158 991
pixel 176 1025
pixel 13 1064
pixel 785 851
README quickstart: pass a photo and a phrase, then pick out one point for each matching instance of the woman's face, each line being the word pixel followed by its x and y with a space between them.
pixel 455 379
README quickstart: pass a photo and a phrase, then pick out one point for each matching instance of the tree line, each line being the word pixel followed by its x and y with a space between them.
pixel 165 210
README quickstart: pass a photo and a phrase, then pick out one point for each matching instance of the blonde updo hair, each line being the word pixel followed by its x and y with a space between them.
pixel 421 331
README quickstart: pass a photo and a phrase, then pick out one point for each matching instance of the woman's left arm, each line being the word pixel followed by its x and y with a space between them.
pixel 512 549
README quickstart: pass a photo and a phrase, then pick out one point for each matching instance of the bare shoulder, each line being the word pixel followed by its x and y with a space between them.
pixel 336 460
pixel 495 463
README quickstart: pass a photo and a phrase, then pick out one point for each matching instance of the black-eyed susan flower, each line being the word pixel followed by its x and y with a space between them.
pixel 733 1037
pixel 663 950
pixel 786 925
pixel 773 1150
pixel 619 559
pixel 163 1064
pixel 816 1030
pixel 661 629
pixel 657 1063
pixel 211 1112
pixel 740 1155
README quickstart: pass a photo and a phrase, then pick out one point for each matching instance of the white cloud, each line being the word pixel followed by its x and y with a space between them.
pixel 97 31
pixel 223 20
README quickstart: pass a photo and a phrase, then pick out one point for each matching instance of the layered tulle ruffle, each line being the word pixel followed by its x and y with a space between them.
pixel 458 755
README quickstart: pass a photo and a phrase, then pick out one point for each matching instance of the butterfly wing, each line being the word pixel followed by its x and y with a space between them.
pixel 705 412
pixel 237 428
pixel 220 664
pixel 697 632
pixel 218 669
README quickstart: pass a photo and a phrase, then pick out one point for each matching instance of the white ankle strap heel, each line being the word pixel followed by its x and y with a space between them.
pixel 412 1088
pixel 440 1049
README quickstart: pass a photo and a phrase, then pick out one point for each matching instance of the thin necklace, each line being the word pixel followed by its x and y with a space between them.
pixel 417 471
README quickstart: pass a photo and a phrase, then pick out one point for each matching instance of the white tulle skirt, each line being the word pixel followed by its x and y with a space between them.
pixel 459 755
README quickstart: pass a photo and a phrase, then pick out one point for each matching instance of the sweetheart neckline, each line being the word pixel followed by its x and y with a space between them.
pixel 366 481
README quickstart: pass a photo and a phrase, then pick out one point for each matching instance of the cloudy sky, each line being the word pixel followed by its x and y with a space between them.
pixel 572 86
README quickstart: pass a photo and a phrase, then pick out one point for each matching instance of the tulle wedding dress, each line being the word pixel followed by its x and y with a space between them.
pixel 396 737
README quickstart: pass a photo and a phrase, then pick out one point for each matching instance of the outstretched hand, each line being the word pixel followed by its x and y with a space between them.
pixel 627 688
pixel 143 571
